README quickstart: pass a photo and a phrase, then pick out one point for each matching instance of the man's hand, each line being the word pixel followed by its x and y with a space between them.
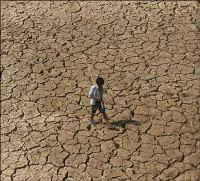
pixel 98 98
pixel 95 97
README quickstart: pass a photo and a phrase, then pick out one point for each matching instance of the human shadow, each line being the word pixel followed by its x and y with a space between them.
pixel 122 123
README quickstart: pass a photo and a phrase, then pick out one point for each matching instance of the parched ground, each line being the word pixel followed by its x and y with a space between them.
pixel 148 53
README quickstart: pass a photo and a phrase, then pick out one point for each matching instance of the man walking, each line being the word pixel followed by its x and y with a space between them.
pixel 97 102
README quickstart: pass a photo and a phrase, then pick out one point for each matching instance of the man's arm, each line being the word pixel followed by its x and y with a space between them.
pixel 94 97
pixel 92 92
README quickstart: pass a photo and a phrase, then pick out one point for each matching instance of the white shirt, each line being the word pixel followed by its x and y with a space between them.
pixel 94 92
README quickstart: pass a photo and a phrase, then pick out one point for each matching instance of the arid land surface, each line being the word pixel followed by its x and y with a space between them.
pixel 147 52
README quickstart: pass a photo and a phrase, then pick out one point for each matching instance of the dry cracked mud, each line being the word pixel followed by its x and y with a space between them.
pixel 148 52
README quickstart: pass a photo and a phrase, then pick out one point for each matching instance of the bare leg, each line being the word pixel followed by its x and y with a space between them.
pixel 92 117
pixel 106 118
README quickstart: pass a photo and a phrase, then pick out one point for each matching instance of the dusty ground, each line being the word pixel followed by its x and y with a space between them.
pixel 148 54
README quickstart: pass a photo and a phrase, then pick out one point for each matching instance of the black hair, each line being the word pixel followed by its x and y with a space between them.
pixel 100 81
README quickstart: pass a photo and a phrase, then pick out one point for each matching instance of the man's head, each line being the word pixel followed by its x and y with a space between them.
pixel 100 81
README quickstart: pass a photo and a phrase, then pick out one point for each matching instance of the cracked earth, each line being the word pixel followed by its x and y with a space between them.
pixel 147 52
